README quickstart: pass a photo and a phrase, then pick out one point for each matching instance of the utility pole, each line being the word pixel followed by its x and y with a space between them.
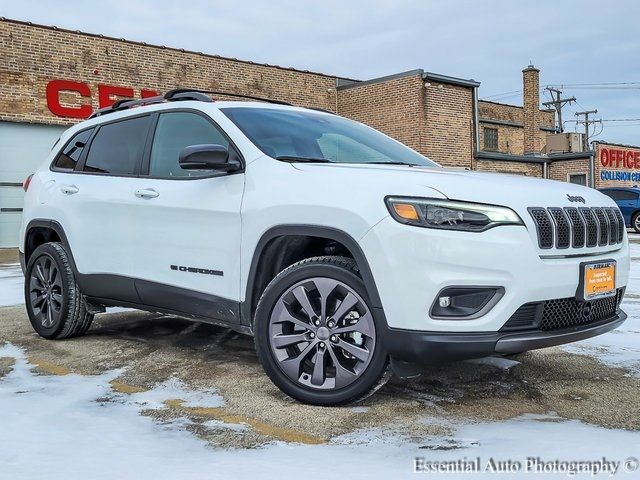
pixel 557 102
pixel 586 122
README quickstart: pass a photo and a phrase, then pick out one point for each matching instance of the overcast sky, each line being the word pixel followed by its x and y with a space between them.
pixel 490 41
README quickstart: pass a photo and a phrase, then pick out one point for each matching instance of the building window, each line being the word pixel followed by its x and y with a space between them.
pixel 578 178
pixel 491 139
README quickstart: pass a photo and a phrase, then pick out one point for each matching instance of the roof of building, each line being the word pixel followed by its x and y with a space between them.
pixel 604 142
pixel 163 47
pixel 547 110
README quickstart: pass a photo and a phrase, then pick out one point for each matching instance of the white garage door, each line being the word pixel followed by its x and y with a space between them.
pixel 23 147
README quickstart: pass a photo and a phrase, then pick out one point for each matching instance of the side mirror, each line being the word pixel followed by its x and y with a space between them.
pixel 207 157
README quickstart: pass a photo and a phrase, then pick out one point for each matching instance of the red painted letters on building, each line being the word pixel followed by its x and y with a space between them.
pixel 620 158
pixel 107 95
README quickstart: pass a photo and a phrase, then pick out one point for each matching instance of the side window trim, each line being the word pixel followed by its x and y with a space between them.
pixel 137 169
pixel 234 152
pixel 53 167
pixel 85 151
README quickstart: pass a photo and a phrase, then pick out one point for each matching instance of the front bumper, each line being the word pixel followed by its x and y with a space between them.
pixel 411 265
pixel 437 347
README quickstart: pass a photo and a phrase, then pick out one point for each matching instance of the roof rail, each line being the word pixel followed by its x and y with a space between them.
pixel 177 91
pixel 126 103
pixel 175 95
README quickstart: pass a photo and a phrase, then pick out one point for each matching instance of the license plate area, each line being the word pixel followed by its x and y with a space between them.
pixel 597 280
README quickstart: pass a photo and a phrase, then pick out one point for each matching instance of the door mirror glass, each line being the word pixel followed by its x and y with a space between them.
pixel 206 157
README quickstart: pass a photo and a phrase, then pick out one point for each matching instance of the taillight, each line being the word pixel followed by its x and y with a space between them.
pixel 27 182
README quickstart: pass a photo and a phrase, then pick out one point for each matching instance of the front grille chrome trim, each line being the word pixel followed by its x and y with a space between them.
pixel 577 227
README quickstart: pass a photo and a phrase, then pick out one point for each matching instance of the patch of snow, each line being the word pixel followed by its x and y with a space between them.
pixel 174 389
pixel 68 427
pixel 218 425
pixel 359 409
pixel 498 362
pixel 11 285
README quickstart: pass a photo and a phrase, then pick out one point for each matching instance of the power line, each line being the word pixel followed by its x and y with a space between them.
pixel 562 85
pixel 610 120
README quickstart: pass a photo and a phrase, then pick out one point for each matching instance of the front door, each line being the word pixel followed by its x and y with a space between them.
pixel 187 230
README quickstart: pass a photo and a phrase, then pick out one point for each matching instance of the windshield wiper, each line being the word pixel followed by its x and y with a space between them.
pixel 393 163
pixel 290 158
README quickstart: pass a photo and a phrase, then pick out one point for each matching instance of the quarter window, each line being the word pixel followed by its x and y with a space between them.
pixel 491 139
pixel 174 132
pixel 621 194
pixel 118 147
pixel 72 152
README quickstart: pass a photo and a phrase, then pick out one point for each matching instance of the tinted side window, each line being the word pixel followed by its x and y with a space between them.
pixel 175 131
pixel 627 195
pixel 71 153
pixel 611 193
pixel 118 147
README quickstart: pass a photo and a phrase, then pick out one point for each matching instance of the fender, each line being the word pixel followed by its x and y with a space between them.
pixel 312 231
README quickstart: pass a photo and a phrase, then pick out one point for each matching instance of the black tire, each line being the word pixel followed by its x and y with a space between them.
pixel 373 375
pixel 69 315
pixel 635 222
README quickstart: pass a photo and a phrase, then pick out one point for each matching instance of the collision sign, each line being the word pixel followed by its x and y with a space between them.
pixel 107 95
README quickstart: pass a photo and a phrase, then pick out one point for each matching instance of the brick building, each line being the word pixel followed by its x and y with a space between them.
pixel 51 78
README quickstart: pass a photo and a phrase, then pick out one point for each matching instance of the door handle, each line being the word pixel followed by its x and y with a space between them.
pixel 69 189
pixel 146 193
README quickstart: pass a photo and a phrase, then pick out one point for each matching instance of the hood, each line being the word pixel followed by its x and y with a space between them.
pixel 516 191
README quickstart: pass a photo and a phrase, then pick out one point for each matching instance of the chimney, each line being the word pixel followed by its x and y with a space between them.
pixel 531 109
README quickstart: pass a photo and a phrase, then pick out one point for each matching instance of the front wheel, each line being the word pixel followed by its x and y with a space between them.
pixel 316 335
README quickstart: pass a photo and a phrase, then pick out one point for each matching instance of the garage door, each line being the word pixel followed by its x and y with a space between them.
pixel 23 147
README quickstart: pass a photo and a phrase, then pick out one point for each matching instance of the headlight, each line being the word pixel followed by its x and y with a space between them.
pixel 450 215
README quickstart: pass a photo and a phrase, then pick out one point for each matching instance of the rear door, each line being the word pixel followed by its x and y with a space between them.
pixel 97 201
pixel 188 223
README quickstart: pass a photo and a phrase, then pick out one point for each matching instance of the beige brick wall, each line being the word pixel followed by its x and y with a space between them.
pixel 30 56
pixel 436 120
pixel 562 169
pixel 511 138
pixel 516 168
pixel 449 124
pixel 394 107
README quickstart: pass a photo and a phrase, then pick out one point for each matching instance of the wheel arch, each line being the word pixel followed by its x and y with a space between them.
pixel 253 286
pixel 41 231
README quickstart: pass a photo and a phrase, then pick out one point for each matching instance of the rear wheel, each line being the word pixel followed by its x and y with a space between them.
pixel 316 335
pixel 55 306
pixel 635 222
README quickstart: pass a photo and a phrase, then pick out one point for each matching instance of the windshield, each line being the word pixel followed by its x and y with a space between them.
pixel 301 135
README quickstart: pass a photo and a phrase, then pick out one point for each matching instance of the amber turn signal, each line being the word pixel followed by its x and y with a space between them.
pixel 406 211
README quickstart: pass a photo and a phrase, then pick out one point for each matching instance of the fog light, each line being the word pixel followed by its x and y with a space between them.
pixel 465 303
pixel 444 302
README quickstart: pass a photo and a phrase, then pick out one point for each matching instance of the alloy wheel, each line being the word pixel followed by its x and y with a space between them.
pixel 45 291
pixel 322 333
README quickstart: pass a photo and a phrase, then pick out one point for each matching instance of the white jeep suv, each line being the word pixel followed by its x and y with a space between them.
pixel 346 254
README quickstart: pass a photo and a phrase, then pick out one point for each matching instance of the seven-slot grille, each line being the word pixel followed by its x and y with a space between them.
pixel 577 227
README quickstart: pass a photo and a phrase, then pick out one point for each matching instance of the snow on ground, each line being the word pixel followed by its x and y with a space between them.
pixel 75 427
pixel 11 285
